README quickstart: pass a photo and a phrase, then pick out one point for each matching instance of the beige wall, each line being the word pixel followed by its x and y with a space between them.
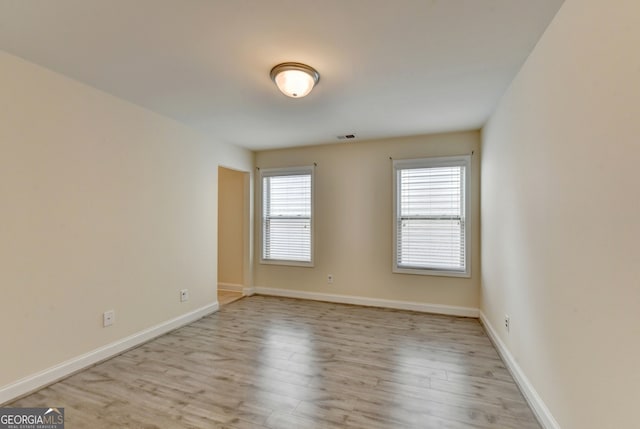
pixel 231 234
pixel 353 221
pixel 104 206
pixel 560 215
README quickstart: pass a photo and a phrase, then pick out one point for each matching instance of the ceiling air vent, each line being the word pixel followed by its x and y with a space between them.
pixel 347 136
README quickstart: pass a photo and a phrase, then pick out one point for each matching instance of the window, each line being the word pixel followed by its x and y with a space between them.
pixel 287 216
pixel 431 228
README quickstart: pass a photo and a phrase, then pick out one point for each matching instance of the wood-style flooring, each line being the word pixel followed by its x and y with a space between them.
pixel 228 296
pixel 266 362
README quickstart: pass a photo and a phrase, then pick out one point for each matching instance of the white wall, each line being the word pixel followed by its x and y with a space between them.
pixel 353 209
pixel 104 206
pixel 561 215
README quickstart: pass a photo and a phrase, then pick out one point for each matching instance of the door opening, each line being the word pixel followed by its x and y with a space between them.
pixel 233 234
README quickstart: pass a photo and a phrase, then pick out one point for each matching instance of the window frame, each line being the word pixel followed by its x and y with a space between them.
pixel 433 162
pixel 286 171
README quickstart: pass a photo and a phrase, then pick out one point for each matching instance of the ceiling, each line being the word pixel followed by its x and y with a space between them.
pixel 387 68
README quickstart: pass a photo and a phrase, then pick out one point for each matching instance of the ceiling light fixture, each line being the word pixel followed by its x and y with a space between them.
pixel 294 80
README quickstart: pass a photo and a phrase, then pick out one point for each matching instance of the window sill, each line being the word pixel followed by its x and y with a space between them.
pixel 286 263
pixel 428 272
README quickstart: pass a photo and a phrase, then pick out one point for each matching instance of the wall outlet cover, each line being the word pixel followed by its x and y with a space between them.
pixel 108 318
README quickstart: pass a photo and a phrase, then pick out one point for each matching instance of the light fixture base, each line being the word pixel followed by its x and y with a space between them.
pixel 294 80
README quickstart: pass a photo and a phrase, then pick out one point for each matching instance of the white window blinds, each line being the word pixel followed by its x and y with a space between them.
pixel 431 227
pixel 287 215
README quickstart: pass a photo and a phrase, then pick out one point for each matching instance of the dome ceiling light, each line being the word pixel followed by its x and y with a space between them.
pixel 294 80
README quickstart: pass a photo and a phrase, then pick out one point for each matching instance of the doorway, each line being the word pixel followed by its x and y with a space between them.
pixel 233 234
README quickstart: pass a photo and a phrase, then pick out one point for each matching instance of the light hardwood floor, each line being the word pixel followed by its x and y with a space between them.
pixel 266 362
pixel 228 296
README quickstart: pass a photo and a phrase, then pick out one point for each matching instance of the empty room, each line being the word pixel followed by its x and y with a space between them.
pixel 333 214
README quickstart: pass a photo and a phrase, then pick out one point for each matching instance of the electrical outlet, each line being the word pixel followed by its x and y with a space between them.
pixel 184 295
pixel 507 322
pixel 108 318
pixel 330 278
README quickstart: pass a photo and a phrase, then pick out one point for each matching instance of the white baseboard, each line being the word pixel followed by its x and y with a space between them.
pixel 230 286
pixel 542 413
pixel 248 291
pixel 370 302
pixel 51 375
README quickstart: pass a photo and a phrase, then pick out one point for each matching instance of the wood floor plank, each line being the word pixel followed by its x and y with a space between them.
pixel 228 296
pixel 275 363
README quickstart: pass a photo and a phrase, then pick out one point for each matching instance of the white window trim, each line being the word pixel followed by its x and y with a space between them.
pixel 285 172
pixel 434 162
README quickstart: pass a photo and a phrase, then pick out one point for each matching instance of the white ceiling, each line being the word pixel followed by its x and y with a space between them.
pixel 388 67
